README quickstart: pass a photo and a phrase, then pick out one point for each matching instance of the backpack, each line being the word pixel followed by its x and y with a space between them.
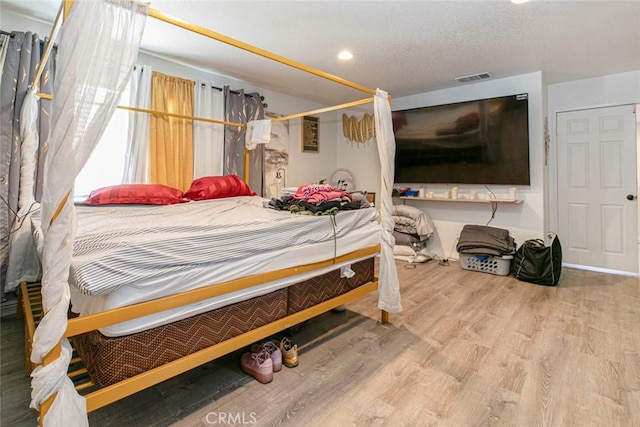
pixel 537 263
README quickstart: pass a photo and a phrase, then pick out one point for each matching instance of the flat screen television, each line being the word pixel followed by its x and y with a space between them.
pixel 484 141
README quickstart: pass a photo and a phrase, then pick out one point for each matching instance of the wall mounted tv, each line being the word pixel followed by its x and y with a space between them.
pixel 484 141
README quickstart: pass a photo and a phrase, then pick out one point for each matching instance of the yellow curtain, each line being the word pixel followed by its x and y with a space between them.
pixel 171 148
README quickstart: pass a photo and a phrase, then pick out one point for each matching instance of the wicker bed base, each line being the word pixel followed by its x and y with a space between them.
pixel 109 360
pixel 321 288
pixel 113 359
pixel 319 298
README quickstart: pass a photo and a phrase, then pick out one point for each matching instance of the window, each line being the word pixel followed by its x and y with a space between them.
pixel 106 164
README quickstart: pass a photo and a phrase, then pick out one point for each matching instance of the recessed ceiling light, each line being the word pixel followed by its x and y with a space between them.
pixel 345 55
pixel 519 1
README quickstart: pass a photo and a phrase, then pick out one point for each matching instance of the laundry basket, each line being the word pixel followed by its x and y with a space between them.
pixel 499 265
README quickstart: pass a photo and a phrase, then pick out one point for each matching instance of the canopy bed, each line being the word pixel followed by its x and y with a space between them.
pixel 85 94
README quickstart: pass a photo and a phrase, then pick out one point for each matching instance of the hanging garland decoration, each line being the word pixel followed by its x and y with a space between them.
pixel 359 130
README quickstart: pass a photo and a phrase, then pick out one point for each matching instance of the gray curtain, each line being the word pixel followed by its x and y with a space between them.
pixel 20 66
pixel 241 108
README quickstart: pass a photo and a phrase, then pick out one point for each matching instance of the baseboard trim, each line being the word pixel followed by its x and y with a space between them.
pixel 601 270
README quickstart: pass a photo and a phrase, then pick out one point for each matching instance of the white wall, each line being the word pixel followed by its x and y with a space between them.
pixel 10 21
pixel 524 221
pixel 303 167
pixel 538 213
pixel 360 158
pixel 606 91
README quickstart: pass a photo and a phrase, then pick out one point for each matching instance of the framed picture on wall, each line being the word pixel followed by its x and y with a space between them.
pixel 310 134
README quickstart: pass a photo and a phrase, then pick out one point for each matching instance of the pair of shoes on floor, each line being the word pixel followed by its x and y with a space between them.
pixel 274 353
pixel 262 360
pixel 289 353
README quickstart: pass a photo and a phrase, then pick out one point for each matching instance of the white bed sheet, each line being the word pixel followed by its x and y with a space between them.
pixel 85 304
pixel 159 253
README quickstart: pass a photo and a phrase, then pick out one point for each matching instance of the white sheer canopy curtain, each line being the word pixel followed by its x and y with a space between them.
pixel 208 138
pixel 389 286
pixel 136 165
pixel 98 45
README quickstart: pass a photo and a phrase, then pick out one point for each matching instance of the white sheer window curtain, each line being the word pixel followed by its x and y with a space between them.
pixel 208 138
pixel 105 166
pixel 85 95
pixel 136 166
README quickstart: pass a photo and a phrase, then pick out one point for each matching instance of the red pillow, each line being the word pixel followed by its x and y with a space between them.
pixel 136 194
pixel 218 187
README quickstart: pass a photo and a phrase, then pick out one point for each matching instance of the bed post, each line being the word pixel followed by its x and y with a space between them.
pixel 246 166
pixel 49 358
pixel 57 349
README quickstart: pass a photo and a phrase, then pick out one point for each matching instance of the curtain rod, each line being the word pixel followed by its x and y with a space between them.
pixel 12 34
pixel 235 92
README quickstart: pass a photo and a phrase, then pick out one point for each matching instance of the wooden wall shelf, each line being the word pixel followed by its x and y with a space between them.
pixel 442 199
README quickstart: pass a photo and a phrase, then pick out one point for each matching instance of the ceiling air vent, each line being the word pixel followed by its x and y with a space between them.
pixel 473 77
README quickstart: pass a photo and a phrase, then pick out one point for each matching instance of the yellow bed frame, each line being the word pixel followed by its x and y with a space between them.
pixel 31 305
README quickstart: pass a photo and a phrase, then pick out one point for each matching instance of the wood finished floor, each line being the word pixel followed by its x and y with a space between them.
pixel 470 349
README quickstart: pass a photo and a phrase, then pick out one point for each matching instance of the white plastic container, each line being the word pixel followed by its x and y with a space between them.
pixel 500 266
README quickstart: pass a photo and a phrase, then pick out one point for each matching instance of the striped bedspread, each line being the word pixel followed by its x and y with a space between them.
pixel 121 245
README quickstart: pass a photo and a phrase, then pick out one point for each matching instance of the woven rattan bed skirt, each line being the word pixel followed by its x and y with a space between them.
pixel 109 360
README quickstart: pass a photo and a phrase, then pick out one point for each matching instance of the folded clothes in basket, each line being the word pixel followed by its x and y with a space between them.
pixel 482 239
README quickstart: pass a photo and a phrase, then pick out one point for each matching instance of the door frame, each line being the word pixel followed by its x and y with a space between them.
pixel 551 147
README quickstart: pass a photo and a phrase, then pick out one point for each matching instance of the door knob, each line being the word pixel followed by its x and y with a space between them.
pixel 630 197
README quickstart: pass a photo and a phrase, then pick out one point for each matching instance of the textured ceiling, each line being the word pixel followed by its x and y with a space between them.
pixel 401 47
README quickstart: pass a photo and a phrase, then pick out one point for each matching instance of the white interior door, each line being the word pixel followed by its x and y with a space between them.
pixel 597 210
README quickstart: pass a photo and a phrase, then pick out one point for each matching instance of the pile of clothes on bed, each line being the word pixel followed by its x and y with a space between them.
pixel 319 199
pixel 412 229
